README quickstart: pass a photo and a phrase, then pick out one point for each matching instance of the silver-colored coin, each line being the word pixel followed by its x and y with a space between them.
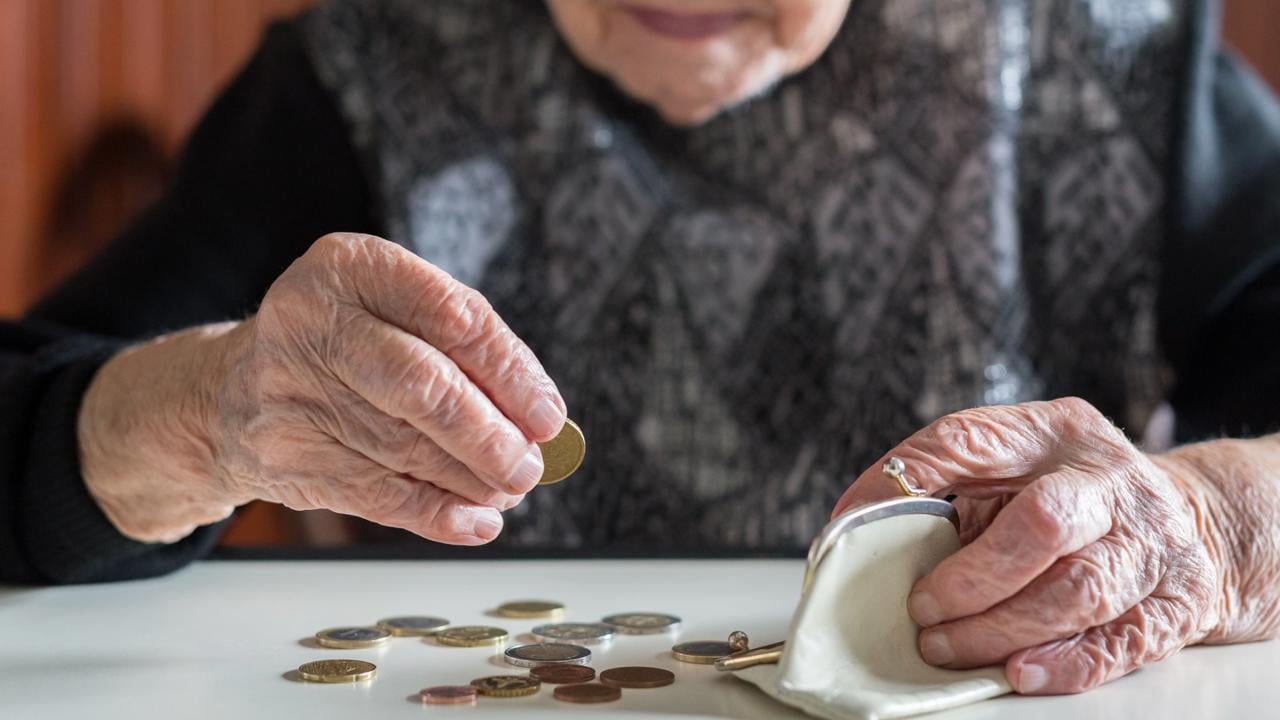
pixel 579 633
pixel 411 625
pixel 540 654
pixel 642 623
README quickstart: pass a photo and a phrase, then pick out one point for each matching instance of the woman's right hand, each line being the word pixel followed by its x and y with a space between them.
pixel 369 383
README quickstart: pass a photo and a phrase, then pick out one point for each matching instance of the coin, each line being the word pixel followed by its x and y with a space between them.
pixel 506 685
pixel 561 674
pixel 348 638
pixel 471 636
pixel 739 642
pixel 413 625
pixel 530 609
pixel 448 695
pixel 540 654
pixel 701 652
pixel 337 671
pixel 637 677
pixel 562 454
pixel 581 633
pixel 642 623
pixel 587 693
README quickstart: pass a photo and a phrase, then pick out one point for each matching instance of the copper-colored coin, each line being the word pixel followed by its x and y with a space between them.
pixel 563 674
pixel 587 693
pixel 637 677
pixel 448 695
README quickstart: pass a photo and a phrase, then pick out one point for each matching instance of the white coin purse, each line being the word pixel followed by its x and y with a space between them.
pixel 851 651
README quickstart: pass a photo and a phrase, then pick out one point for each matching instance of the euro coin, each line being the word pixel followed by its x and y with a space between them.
pixel 349 638
pixel 577 633
pixel 562 455
pixel 637 677
pixel 413 625
pixel 448 695
pixel 587 693
pixel 538 609
pixel 506 685
pixel 701 652
pixel 560 674
pixel 337 671
pixel 540 654
pixel 642 623
pixel 471 636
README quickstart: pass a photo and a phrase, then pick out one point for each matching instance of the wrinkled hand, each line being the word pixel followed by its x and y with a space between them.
pixel 372 383
pixel 1084 559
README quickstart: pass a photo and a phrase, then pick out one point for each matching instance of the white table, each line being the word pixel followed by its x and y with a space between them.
pixel 218 641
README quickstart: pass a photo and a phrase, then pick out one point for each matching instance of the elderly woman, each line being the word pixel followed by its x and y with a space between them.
pixel 755 246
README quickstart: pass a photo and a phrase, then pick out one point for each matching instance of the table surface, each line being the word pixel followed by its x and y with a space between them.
pixel 219 640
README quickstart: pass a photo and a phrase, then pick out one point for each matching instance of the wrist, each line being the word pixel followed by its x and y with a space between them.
pixel 149 430
pixel 1233 488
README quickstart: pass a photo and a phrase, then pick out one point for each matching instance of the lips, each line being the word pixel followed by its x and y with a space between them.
pixel 686 26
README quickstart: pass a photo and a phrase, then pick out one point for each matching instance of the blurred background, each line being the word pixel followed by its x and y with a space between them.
pixel 96 97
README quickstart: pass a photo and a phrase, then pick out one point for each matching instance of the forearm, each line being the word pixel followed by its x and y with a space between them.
pixel 1235 488
pixel 145 434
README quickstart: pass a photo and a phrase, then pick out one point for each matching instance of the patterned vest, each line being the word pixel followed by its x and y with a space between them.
pixel 960 203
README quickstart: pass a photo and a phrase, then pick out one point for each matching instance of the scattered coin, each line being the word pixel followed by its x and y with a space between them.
pixel 637 677
pixel 337 671
pixel 506 685
pixel 642 623
pixel 582 633
pixel 540 654
pixel 739 642
pixel 471 636
pixel 701 652
pixel 587 693
pixel 413 625
pixel 448 695
pixel 562 454
pixel 531 609
pixel 560 674
pixel 349 638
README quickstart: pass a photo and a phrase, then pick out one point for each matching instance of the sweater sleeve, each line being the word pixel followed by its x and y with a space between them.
pixel 1220 293
pixel 270 168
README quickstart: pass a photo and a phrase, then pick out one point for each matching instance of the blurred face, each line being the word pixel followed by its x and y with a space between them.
pixel 690 59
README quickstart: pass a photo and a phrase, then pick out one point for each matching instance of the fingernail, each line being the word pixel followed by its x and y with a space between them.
pixel 936 648
pixel 527 473
pixel 1032 678
pixel 488 525
pixel 545 420
pixel 924 609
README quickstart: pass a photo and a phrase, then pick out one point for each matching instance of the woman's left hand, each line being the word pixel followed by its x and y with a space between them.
pixel 1085 558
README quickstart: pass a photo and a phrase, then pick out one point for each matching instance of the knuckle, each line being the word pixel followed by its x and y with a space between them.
pixel 965 437
pixel 1085 586
pixel 463 317
pixel 1045 518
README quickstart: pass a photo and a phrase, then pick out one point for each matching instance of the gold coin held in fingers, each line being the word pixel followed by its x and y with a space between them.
pixel 337 671
pixel 531 609
pixel 562 455
pixel 471 636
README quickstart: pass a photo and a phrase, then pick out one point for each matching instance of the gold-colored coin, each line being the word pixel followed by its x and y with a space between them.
pixel 701 652
pixel 471 636
pixel 337 671
pixel 351 638
pixel 530 609
pixel 506 685
pixel 562 455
